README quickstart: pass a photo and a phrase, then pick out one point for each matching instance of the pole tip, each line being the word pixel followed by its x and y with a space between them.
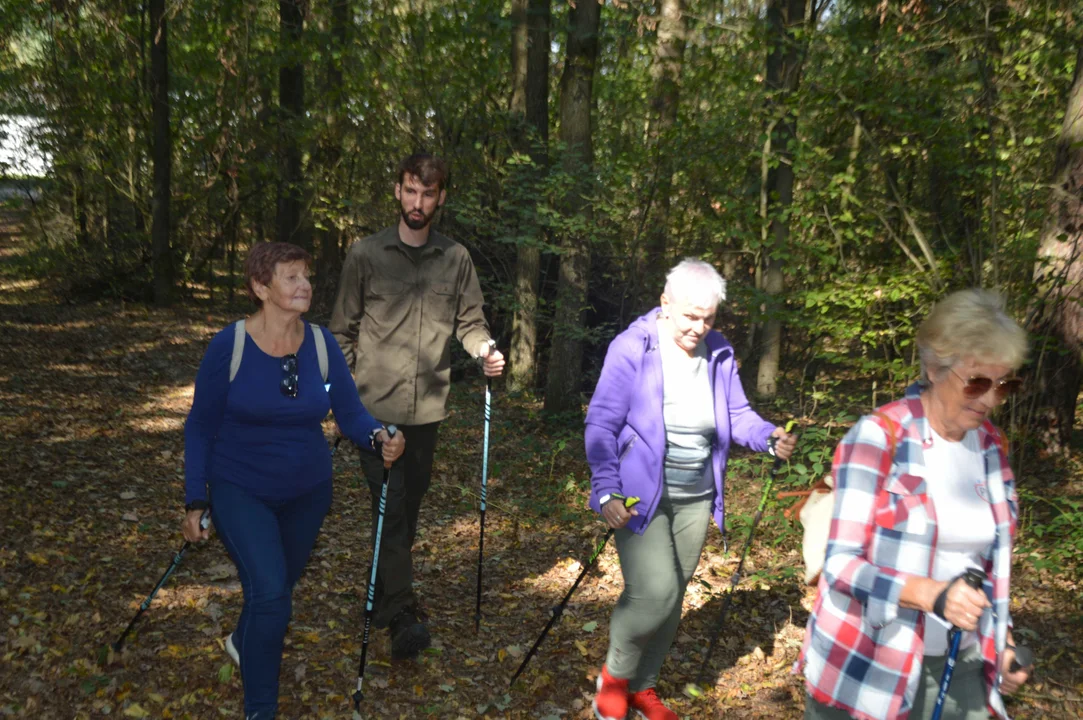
pixel 358 696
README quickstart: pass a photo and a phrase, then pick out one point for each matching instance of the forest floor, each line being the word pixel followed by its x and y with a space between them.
pixel 93 399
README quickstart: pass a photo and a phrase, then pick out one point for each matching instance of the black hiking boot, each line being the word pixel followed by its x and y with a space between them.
pixel 409 636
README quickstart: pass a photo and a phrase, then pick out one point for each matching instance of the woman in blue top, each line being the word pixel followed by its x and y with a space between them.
pixel 255 447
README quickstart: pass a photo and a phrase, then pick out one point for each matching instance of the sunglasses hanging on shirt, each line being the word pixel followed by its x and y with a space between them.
pixel 289 376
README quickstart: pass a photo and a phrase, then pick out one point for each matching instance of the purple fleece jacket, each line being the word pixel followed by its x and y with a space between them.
pixel 626 435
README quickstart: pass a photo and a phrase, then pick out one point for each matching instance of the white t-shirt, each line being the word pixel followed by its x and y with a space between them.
pixel 955 479
pixel 688 414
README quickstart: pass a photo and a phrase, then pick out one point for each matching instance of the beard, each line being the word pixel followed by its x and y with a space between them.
pixel 414 222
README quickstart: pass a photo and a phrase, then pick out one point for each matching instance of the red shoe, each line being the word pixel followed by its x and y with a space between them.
pixel 647 704
pixel 611 702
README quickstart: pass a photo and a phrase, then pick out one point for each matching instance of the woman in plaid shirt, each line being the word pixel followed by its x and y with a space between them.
pixel 906 527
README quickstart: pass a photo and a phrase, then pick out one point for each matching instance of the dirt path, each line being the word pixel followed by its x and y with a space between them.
pixel 92 404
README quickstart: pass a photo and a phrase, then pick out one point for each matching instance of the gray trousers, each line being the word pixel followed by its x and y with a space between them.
pixel 657 567
pixel 965 699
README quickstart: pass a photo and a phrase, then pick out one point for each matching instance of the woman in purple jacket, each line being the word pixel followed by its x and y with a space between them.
pixel 667 406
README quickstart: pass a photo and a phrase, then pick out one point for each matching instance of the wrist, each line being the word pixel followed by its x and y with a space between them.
pixel 940 598
pixel 196 506
pixel 485 349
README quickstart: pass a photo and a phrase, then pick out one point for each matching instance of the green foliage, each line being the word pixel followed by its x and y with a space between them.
pixel 1052 531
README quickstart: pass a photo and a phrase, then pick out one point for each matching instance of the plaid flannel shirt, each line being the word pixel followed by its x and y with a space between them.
pixel 862 651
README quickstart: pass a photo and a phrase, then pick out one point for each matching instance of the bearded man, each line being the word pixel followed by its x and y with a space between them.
pixel 403 293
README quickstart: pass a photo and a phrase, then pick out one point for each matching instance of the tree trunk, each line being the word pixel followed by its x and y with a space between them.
pixel 666 73
pixel 291 100
pixel 327 266
pixel 537 79
pixel 1059 275
pixel 162 155
pixel 783 74
pixel 576 86
pixel 530 98
pixel 520 33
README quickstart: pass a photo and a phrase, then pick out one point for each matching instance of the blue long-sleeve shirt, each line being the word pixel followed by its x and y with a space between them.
pixel 248 433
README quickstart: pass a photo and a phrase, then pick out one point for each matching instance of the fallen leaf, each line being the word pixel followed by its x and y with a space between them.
pixel 225 672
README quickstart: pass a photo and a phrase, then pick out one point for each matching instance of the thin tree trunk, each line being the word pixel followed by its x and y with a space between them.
pixel 537 79
pixel 520 33
pixel 666 74
pixel 291 99
pixel 162 154
pixel 530 49
pixel 781 80
pixel 331 152
pixel 1059 275
pixel 576 87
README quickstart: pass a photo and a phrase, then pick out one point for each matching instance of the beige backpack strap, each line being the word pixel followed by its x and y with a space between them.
pixel 321 350
pixel 238 349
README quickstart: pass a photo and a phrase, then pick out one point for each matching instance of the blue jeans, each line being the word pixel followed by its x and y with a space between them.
pixel 270 543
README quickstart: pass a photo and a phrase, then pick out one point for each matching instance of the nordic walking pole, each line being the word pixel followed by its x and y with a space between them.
pixel 974 578
pixel 370 600
pixel 204 522
pixel 694 690
pixel 558 611
pixel 484 488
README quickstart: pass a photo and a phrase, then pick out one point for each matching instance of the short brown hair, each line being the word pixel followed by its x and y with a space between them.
pixel 260 264
pixel 429 169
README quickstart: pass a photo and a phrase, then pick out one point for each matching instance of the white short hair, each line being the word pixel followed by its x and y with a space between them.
pixel 695 282
pixel 969 324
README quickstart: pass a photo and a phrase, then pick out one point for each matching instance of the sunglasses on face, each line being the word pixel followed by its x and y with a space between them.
pixel 289 376
pixel 977 385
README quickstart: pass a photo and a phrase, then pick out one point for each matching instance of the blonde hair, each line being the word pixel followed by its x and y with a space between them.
pixel 969 323
pixel 696 282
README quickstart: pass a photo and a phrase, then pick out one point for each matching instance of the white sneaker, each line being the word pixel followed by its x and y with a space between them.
pixel 231 650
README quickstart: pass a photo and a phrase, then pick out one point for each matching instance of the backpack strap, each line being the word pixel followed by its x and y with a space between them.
pixel 893 431
pixel 321 350
pixel 238 349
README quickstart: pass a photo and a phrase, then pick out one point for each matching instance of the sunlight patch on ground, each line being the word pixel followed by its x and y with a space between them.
pixel 156 425
pixel 82 370
pixel 16 285
pixel 169 407
pixel 565 570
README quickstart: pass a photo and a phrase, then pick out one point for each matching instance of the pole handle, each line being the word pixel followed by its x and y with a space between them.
pixel 974 577
pixel 1024 658
pixel 391 432
pixel 772 441
pixel 491 345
